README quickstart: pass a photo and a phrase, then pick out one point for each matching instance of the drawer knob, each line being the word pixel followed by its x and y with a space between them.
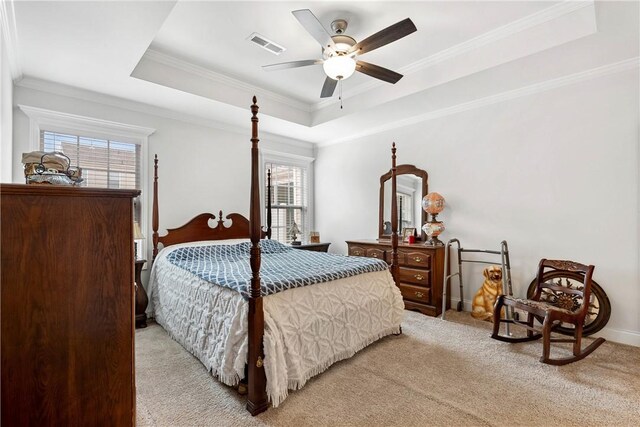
pixel 419 276
pixel 417 259
pixel 419 294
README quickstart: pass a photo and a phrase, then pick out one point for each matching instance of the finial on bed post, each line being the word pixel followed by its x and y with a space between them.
pixel 257 401
pixel 394 217
pixel 269 204
pixel 155 220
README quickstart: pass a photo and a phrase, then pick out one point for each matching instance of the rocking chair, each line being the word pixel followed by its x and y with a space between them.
pixel 569 306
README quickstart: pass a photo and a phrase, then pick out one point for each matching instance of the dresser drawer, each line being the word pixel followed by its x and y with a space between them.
pixel 375 253
pixel 415 276
pixel 417 259
pixel 388 256
pixel 415 293
pixel 420 271
pixel 357 251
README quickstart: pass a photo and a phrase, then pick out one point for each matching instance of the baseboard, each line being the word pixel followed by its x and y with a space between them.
pixel 621 336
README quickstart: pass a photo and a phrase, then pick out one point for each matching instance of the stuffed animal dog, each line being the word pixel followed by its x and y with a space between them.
pixel 486 297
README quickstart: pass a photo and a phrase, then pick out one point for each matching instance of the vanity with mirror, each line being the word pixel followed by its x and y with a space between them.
pixel 421 266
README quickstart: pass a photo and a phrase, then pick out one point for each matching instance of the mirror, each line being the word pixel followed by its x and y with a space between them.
pixel 411 187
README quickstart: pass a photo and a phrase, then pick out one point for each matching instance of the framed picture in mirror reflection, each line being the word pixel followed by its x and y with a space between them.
pixel 408 234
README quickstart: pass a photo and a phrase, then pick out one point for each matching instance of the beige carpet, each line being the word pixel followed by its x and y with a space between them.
pixel 436 373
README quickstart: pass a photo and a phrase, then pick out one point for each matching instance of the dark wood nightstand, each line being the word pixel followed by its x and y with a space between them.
pixel 142 300
pixel 316 247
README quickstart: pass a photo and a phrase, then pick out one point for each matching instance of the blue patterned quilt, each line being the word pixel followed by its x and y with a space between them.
pixel 282 267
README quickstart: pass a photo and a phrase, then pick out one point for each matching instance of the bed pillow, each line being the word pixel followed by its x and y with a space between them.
pixel 167 249
pixel 273 247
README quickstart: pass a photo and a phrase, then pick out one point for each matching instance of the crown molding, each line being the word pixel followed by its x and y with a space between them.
pixel 42 115
pixel 10 35
pixel 112 101
pixel 279 155
pixel 605 70
pixel 222 79
pixel 546 15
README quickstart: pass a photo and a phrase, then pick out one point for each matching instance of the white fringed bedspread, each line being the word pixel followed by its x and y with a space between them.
pixel 307 329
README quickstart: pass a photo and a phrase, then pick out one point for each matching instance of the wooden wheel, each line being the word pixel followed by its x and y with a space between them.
pixel 599 306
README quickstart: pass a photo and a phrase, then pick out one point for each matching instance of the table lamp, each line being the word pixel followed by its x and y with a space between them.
pixel 433 203
pixel 294 231
pixel 137 235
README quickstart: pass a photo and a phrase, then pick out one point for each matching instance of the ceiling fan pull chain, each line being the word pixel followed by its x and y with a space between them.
pixel 340 97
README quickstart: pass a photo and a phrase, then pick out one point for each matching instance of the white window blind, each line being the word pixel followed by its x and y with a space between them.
pixel 105 163
pixel 289 200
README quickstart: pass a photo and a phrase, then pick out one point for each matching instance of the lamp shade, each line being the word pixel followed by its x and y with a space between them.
pixel 137 232
pixel 433 203
pixel 339 67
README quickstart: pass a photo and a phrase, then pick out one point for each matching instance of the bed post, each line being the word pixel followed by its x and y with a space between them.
pixel 155 221
pixel 394 217
pixel 269 204
pixel 257 393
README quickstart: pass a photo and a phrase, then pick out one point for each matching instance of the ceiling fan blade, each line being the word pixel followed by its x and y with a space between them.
pixel 328 88
pixel 314 27
pixel 378 72
pixel 292 64
pixel 383 37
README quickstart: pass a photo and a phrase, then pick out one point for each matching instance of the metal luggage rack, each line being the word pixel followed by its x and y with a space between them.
pixel 504 263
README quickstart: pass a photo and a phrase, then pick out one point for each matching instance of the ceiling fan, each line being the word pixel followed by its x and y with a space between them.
pixel 340 52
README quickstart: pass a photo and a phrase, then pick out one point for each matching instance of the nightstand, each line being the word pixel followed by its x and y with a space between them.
pixel 316 247
pixel 142 300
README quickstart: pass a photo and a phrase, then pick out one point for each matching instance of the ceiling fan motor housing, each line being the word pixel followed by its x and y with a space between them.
pixel 339 26
pixel 343 44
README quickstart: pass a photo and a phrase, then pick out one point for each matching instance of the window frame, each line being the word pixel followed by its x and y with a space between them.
pixel 287 159
pixel 403 194
pixel 54 121
pixel 411 192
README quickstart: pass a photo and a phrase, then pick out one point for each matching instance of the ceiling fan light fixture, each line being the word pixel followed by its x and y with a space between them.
pixel 339 67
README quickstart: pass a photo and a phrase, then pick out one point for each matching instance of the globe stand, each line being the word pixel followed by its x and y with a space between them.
pixel 433 229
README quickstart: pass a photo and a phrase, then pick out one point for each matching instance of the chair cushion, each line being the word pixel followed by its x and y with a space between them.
pixel 541 305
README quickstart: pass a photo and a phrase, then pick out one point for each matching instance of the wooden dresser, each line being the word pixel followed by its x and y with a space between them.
pixel 67 306
pixel 421 271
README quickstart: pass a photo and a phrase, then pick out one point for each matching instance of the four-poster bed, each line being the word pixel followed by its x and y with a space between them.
pixel 288 331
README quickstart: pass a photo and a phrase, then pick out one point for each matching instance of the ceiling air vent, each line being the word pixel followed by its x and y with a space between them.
pixel 265 43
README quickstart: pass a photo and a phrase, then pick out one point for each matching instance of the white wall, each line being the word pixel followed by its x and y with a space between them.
pixel 201 169
pixel 553 173
pixel 6 113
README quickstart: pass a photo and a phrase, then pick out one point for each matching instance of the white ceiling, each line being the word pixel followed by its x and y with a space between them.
pixel 193 57
pixel 214 35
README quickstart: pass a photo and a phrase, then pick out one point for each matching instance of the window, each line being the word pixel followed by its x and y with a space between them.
pixel 405 210
pixel 104 163
pixel 111 154
pixel 289 200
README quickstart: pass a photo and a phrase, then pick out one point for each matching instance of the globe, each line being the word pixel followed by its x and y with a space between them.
pixel 433 203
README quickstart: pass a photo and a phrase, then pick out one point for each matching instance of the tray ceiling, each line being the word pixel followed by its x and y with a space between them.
pixel 194 57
